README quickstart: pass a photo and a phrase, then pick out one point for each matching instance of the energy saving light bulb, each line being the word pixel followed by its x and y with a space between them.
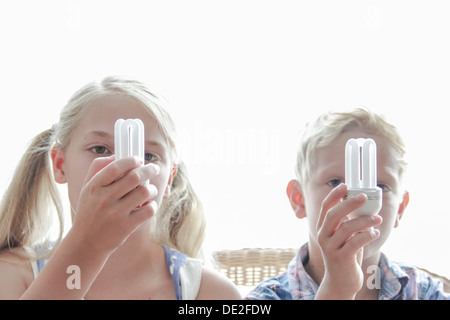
pixel 129 139
pixel 361 174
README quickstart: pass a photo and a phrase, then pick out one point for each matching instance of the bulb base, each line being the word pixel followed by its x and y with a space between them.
pixel 373 204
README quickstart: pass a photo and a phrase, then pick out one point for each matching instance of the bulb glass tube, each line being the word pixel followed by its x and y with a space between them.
pixel 129 139
pixel 361 174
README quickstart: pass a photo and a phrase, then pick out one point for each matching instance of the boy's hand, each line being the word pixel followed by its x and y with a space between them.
pixel 341 241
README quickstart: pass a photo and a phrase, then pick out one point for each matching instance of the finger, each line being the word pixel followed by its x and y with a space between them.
pixel 97 165
pixel 137 198
pixel 360 256
pixel 114 170
pixel 336 215
pixel 359 240
pixel 142 214
pixel 332 199
pixel 349 228
pixel 133 178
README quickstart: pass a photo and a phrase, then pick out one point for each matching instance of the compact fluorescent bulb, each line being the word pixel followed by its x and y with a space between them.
pixel 129 139
pixel 361 174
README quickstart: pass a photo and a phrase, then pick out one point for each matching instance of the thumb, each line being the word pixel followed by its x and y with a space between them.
pixel 359 256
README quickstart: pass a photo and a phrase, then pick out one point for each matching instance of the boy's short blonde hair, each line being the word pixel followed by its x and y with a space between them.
pixel 329 126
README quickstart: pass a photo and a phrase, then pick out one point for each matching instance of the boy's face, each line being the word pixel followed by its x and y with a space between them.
pixel 329 171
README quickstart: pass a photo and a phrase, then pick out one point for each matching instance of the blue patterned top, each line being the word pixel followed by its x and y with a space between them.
pixel 174 261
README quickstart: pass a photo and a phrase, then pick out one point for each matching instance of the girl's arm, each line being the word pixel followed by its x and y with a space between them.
pixel 215 286
pixel 106 215
pixel 54 280
pixel 16 275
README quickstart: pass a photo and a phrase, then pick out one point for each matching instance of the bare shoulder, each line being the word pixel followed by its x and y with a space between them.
pixel 16 275
pixel 215 286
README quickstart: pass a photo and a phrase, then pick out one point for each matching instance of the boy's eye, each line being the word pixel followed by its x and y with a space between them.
pixel 384 188
pixel 334 182
pixel 100 149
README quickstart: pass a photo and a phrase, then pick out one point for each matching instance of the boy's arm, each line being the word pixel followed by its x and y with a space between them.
pixel 341 242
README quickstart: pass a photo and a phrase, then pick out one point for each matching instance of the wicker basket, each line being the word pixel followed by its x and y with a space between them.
pixel 250 266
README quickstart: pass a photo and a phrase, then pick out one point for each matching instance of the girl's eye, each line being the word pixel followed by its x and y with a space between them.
pixel 149 157
pixel 334 182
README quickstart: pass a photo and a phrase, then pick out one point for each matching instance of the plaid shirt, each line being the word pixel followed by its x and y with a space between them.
pixel 398 282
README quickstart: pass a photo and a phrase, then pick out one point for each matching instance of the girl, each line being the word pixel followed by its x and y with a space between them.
pixel 126 242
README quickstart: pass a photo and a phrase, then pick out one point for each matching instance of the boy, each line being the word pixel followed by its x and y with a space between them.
pixel 342 259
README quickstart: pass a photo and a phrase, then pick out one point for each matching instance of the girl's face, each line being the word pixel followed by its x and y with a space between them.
pixel 94 137
pixel 329 172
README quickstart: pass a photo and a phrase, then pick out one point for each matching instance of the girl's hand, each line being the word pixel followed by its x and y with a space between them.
pixel 341 241
pixel 113 202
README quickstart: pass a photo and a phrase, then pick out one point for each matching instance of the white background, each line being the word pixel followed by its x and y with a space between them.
pixel 242 78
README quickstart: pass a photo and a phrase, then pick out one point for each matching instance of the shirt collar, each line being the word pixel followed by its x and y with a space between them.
pixel 301 285
pixel 393 279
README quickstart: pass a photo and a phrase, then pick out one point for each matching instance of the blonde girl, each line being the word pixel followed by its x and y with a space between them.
pixel 127 240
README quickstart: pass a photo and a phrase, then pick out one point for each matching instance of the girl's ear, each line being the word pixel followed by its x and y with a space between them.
pixel 295 195
pixel 169 183
pixel 401 208
pixel 58 165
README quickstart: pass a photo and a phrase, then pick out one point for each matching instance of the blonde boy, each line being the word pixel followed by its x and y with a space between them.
pixel 343 258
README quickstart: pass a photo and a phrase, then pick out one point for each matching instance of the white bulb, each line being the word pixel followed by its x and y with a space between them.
pixel 129 139
pixel 361 174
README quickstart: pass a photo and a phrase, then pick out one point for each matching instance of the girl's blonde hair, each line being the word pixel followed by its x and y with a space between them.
pixel 329 126
pixel 25 211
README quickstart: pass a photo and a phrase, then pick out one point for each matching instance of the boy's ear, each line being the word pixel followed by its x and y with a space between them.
pixel 295 195
pixel 169 183
pixel 401 208
pixel 58 165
